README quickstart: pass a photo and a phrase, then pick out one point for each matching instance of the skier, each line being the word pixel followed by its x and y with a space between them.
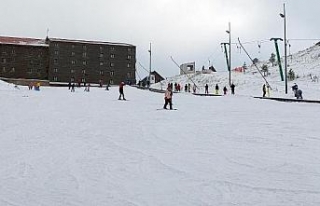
pixel 232 88
pixel 206 89
pixel 168 98
pixel 264 90
pixel 121 91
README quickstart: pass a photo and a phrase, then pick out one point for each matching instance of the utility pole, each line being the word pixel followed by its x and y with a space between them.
pixel 229 65
pixel 227 59
pixel 150 65
pixel 278 55
pixel 283 15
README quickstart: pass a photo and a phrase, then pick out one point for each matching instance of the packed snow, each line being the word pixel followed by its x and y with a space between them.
pixel 88 148
pixel 81 148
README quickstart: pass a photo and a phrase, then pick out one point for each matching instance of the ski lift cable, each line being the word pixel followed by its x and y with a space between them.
pixel 253 63
pixel 143 67
pixel 183 71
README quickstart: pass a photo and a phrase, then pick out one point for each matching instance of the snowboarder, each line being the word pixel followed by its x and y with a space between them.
pixel 264 90
pixel 232 88
pixel 121 91
pixel 168 98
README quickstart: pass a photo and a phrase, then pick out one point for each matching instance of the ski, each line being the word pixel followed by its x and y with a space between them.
pixel 166 109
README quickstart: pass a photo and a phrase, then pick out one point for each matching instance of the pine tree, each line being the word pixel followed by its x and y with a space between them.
pixel 273 59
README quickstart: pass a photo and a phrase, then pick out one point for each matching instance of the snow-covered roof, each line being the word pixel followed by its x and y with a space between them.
pixel 22 41
pixel 89 42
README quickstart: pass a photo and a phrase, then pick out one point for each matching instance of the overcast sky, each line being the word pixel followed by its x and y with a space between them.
pixel 187 30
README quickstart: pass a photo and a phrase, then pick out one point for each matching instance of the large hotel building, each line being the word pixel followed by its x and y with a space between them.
pixel 65 60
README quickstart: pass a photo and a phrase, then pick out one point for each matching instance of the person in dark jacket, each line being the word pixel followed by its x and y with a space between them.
pixel 225 90
pixel 206 89
pixel 232 88
pixel 264 90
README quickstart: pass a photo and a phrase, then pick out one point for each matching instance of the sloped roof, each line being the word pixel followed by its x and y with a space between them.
pixel 88 42
pixel 22 41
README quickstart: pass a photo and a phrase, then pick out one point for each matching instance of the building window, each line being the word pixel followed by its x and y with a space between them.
pixel 128 65
pixel 128 75
pixel 56 52
pixel 101 55
pixel 55 79
pixel 4 60
pixel 73 62
pixel 83 71
pixel 55 61
pixel 30 71
pixel 3 69
pixel 13 69
pixel 56 45
pixel 129 49
pixel 101 63
pixel 84 62
pixel 73 53
pixel 101 72
pixel 84 47
pixel 101 48
pixel 72 79
pixel 55 70
pixel 84 54
pixel 111 73
pixel 72 46
pixel 13 51
pixel 112 56
pixel 72 71
pixel 112 48
pixel 83 80
pixel 129 57
pixel 112 64
pixel 111 81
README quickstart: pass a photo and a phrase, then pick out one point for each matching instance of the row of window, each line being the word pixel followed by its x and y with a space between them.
pixel 12 69
pixel 73 62
pixel 84 54
pixel 84 47
pixel 55 70
pixel 55 78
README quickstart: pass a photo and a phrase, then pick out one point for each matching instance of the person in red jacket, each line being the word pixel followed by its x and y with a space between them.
pixel 121 91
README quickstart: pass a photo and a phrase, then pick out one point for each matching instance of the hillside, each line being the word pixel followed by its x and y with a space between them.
pixel 305 64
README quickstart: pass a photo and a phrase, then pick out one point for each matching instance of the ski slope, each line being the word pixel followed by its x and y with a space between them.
pixel 87 148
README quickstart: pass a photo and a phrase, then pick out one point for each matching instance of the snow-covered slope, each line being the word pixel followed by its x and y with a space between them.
pixel 305 64
pixel 59 148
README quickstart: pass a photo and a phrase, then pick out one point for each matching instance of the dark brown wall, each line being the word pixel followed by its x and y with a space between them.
pixel 91 63
pixel 62 61
pixel 24 61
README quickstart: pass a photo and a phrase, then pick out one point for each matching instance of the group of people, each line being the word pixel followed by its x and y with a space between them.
pixel 225 90
pixel 296 91
pixel 35 85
